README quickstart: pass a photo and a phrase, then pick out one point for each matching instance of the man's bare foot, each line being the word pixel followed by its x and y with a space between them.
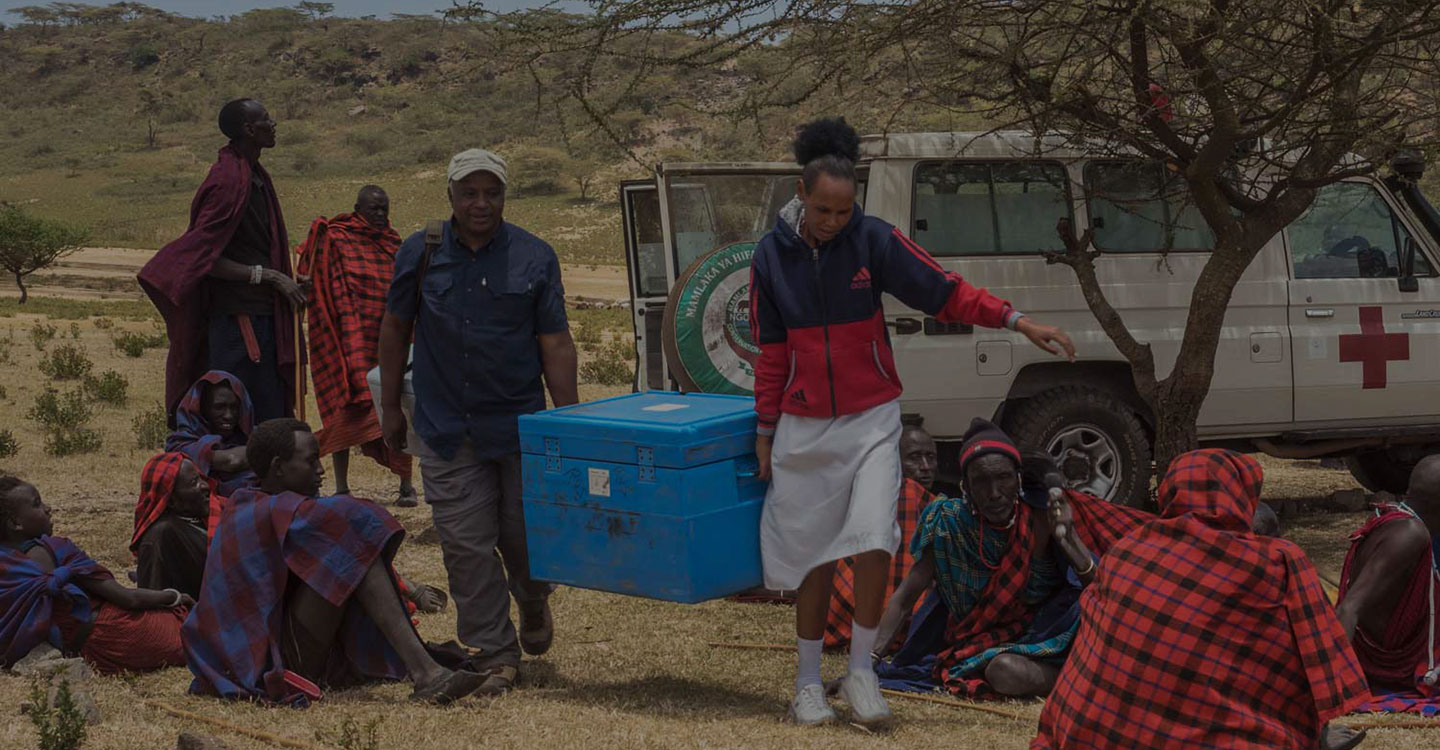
pixel 447 687
pixel 407 499
pixel 1340 737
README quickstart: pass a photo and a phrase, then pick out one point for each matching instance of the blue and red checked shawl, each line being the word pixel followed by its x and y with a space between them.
pixel 1196 633
pixel 232 637
pixel 28 596
pixel 194 437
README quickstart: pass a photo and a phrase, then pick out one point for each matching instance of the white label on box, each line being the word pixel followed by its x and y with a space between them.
pixel 600 482
pixel 666 407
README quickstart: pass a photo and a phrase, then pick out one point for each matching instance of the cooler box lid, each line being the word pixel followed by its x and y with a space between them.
pixel 659 428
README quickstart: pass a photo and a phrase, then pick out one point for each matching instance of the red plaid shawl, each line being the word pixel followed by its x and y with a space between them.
pixel 351 262
pixel 157 481
pixel 1198 634
pixel 913 499
pixel 1397 657
pixel 1002 615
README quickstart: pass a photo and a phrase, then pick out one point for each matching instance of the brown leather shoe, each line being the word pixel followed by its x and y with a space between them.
pixel 537 627
pixel 499 681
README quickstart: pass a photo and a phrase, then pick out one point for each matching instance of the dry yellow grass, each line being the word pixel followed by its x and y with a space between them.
pixel 624 672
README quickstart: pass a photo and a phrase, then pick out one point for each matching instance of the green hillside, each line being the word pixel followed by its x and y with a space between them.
pixel 109 120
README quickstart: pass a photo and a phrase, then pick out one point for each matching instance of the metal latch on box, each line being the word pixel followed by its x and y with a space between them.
pixel 552 454
pixel 645 457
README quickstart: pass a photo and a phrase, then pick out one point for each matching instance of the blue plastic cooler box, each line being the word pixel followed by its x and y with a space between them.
pixel 652 494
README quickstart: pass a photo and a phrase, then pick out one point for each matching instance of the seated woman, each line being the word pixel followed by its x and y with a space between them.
pixel 300 593
pixel 212 424
pixel 174 522
pixel 51 591
pixel 1008 575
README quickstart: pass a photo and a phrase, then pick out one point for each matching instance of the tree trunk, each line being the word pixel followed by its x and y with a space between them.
pixel 20 282
pixel 1175 417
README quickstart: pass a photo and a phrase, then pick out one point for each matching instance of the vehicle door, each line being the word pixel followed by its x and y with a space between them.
pixel 649 272
pixel 1364 348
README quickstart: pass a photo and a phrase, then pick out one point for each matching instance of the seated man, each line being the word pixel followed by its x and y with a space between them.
pixel 51 591
pixel 299 591
pixel 212 424
pixel 1196 633
pixel 174 520
pixel 1007 571
pixel 917 461
pixel 1388 589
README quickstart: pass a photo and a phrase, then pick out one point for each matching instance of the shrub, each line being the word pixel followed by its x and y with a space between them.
pixel 613 366
pixel 64 420
pixel 150 428
pixel 75 331
pixel 143 55
pixel 354 737
pixel 104 324
pixel 67 362
pixel 110 388
pixel 42 334
pixel 61 726
pixel 134 344
pixel 7 348
pixel 9 446
pixel 588 337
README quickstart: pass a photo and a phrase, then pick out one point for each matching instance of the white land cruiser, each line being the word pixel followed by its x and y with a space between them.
pixel 1331 345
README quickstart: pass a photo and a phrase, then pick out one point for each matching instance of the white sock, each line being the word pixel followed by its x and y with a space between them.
pixel 809 673
pixel 862 642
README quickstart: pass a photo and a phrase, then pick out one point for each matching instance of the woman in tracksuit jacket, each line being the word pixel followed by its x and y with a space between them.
pixel 827 398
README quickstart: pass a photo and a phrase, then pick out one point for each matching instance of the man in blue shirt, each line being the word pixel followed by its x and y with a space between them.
pixel 487 311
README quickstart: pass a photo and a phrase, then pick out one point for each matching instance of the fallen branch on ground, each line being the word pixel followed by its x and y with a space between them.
pixel 253 734
pixel 754 646
pixel 1398 724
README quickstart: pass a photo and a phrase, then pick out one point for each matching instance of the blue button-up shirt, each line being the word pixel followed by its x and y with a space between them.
pixel 477 361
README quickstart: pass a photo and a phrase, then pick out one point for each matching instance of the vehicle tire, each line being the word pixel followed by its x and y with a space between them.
pixel 1095 437
pixel 1379 471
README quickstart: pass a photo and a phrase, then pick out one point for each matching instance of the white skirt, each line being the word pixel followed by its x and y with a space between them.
pixel 834 487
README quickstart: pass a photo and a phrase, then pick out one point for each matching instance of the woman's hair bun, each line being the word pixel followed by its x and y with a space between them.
pixel 828 136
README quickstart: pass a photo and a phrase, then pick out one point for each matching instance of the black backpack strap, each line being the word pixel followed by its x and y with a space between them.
pixel 434 237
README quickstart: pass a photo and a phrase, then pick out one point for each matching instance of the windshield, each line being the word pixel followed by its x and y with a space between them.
pixel 711 211
pixel 1420 205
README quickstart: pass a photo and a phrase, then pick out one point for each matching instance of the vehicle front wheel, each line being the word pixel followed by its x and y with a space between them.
pixel 1095 438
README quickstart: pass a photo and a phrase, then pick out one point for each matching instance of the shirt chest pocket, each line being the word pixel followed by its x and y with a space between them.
pixel 511 301
pixel 437 292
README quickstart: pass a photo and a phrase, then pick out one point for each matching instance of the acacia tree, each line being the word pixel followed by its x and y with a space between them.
pixel 29 243
pixel 1254 106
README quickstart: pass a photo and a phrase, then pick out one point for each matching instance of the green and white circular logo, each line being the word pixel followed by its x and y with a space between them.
pixel 706 333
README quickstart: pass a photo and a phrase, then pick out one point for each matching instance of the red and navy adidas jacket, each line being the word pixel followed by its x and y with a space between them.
pixel 816 315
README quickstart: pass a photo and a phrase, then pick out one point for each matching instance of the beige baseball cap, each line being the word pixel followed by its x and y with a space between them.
pixel 474 160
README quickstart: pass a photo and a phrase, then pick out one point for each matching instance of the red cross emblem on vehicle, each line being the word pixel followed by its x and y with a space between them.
pixel 1373 347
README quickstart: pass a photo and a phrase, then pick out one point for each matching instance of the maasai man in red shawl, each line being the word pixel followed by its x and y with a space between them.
pixel 174 521
pixel 224 287
pixel 351 259
pixel 275 620
pixel 212 423
pixel 1388 597
pixel 1007 571
pixel 918 460
pixel 1199 634
pixel 52 592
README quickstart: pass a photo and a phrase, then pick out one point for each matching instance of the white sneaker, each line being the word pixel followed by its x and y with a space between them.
pixel 810 707
pixel 862 691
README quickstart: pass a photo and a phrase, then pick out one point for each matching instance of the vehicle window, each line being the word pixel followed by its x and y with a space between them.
pixel 1349 232
pixel 983 208
pixel 648 240
pixel 711 211
pixel 1141 207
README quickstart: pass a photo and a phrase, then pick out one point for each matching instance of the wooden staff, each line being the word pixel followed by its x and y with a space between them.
pixel 253 734
pixel 753 646
pixel 1397 724
pixel 299 346
pixel 944 701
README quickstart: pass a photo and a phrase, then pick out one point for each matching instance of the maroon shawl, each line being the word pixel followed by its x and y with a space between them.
pixel 175 277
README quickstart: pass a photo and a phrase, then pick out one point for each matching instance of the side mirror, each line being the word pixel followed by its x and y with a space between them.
pixel 1408 282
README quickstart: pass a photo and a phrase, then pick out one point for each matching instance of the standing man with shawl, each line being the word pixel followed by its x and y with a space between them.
pixel 351 259
pixel 1007 571
pixel 1389 596
pixel 224 287
pixel 1196 633
pixel 827 400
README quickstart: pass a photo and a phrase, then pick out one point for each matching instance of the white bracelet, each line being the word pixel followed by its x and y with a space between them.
pixel 178 597
pixel 257 272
